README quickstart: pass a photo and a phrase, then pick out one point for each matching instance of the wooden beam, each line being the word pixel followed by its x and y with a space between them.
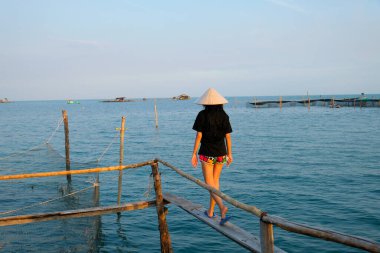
pixel 86 212
pixel 325 234
pixel 72 172
pixel 236 234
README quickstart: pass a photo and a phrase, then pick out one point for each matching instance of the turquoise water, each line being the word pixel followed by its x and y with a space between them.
pixel 319 167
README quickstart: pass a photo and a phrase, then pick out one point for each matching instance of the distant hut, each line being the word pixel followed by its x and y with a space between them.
pixel 182 97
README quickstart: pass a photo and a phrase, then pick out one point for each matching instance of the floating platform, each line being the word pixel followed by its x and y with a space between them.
pixel 326 102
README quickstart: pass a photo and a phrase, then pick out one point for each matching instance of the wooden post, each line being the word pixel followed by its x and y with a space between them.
pixel 122 129
pixel 308 102
pixel 266 237
pixel 280 103
pixel 155 113
pixel 67 143
pixel 166 245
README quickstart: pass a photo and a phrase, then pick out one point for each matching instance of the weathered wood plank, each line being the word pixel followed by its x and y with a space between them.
pixel 229 230
pixel 86 212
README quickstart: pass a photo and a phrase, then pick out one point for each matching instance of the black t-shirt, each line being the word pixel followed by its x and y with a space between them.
pixel 214 125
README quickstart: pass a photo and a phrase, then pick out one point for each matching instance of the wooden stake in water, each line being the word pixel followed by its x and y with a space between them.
pixel 67 142
pixel 280 103
pixel 155 113
pixel 266 237
pixel 122 129
pixel 166 245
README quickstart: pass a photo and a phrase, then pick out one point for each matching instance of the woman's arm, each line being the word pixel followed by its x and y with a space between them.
pixel 229 149
pixel 194 158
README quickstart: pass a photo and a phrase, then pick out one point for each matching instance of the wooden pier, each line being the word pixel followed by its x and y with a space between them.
pixel 265 244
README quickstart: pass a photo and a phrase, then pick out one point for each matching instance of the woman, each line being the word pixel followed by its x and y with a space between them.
pixel 213 133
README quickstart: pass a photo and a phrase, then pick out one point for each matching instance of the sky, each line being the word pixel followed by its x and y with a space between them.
pixel 93 49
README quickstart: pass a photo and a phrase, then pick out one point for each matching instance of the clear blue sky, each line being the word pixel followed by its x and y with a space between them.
pixel 104 49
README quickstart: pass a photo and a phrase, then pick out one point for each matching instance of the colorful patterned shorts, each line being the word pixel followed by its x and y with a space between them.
pixel 213 160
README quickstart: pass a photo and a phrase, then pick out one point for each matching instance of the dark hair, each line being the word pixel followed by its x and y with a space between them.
pixel 214 120
pixel 214 107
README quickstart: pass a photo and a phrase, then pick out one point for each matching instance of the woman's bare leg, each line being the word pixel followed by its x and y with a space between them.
pixel 208 174
pixel 216 175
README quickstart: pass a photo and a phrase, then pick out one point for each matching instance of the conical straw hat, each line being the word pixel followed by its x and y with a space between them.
pixel 211 97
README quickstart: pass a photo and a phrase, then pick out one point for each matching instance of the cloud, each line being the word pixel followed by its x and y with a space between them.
pixel 289 4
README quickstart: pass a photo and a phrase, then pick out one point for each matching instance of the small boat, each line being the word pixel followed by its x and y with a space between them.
pixel 5 100
pixel 69 101
pixel 118 100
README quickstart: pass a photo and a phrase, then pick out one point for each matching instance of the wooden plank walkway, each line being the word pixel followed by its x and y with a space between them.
pixel 229 230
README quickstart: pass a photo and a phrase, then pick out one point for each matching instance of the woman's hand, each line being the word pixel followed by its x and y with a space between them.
pixel 194 160
pixel 230 159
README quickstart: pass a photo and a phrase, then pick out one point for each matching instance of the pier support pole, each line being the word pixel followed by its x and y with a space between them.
pixel 266 237
pixel 155 113
pixel 166 245
pixel 122 129
pixel 67 143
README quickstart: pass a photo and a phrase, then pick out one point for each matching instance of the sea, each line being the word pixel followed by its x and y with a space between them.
pixel 319 167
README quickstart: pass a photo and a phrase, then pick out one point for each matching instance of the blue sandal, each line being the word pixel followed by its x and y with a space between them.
pixel 224 220
pixel 206 213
